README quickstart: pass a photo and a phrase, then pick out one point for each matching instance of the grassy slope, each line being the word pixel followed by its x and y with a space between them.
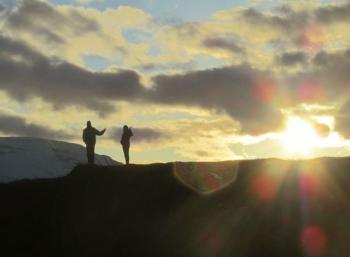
pixel 143 210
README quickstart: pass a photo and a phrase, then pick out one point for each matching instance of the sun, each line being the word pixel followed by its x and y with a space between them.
pixel 300 137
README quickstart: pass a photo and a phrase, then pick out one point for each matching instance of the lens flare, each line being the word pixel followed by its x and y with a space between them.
pixel 266 183
pixel 314 241
pixel 310 185
pixel 212 241
pixel 312 37
pixel 310 90
pixel 264 89
pixel 264 187
pixel 206 177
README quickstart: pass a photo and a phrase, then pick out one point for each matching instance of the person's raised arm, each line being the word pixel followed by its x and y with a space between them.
pixel 100 133
pixel 130 131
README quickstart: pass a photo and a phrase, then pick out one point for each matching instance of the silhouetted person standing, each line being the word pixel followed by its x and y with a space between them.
pixel 89 138
pixel 125 141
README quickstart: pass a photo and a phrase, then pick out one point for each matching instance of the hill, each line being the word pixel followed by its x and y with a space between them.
pixel 29 158
pixel 250 208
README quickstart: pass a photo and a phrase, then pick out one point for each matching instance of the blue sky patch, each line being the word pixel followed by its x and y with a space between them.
pixel 96 62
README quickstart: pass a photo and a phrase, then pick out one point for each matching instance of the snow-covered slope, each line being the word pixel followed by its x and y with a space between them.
pixel 27 158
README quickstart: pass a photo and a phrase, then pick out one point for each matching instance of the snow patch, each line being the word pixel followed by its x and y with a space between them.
pixel 29 158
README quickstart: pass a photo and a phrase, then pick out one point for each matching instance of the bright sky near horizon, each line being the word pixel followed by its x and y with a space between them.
pixel 197 80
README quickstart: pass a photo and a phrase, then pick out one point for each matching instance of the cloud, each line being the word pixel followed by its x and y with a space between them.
pixel 207 135
pixel 243 92
pixel 325 82
pixel 342 120
pixel 325 60
pixel 302 27
pixel 290 22
pixel 140 135
pixel 333 70
pixel 291 58
pixel 331 14
pixel 72 31
pixel 258 150
pixel 87 1
pixel 187 29
pixel 222 43
pixel 246 94
pixel 46 22
pixel 12 48
pixel 16 125
pixel 322 129
pixel 25 73
pixel 156 67
pixel 236 90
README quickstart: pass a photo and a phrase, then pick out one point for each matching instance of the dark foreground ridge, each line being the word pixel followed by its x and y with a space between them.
pixel 271 208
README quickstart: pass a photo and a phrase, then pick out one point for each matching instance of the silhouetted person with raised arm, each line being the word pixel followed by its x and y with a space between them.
pixel 89 138
pixel 125 141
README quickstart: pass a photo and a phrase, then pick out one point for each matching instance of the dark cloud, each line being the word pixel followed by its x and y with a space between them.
pixel 14 125
pixel 222 43
pixel 82 24
pixel 140 135
pixel 321 59
pixel 48 36
pixel 342 120
pixel 156 67
pixel 187 29
pixel 283 9
pixel 333 69
pixel 2 8
pixel 25 73
pixel 242 92
pixel 12 48
pixel 290 22
pixel 325 60
pixel 44 21
pixel 326 81
pixel 292 58
pixel 299 26
pixel 239 91
pixel 330 14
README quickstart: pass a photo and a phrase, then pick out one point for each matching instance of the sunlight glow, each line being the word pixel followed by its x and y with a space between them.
pixel 300 137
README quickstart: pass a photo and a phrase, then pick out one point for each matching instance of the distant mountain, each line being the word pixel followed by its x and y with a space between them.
pixel 28 158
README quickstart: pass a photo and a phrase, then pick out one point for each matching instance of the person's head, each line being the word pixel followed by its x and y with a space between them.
pixel 88 124
pixel 125 128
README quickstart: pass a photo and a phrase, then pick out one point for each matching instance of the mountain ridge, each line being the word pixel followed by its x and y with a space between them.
pixel 270 208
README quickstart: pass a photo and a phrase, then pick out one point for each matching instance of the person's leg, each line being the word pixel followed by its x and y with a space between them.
pixel 90 150
pixel 126 153
pixel 93 154
pixel 88 155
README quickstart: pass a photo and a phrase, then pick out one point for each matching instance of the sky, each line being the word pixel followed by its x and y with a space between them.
pixel 196 80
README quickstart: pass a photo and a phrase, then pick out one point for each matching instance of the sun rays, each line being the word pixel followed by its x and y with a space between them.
pixel 300 137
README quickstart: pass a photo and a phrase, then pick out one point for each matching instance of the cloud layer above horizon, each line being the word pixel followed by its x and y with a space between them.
pixel 239 73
